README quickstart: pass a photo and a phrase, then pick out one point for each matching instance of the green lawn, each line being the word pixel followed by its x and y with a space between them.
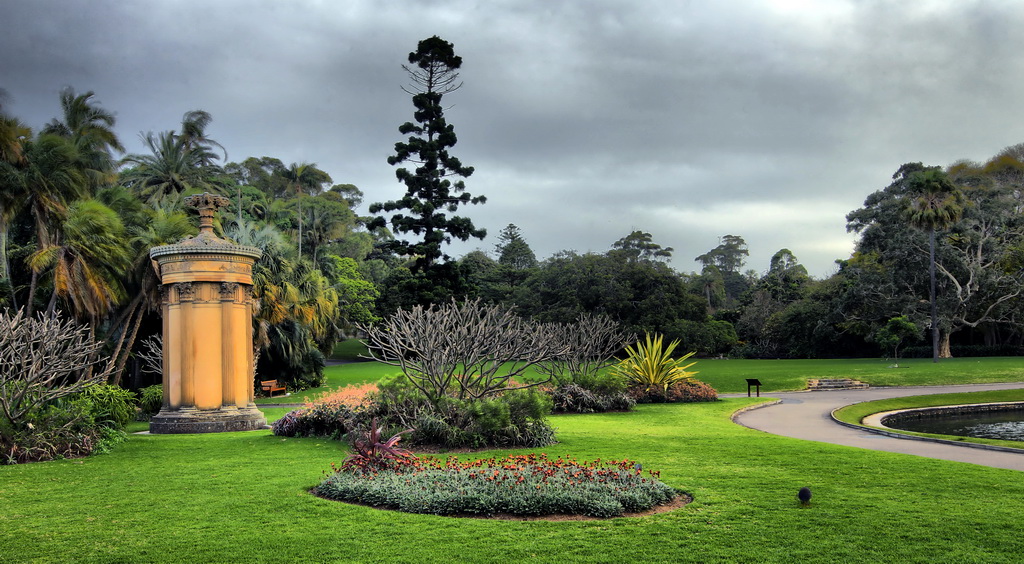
pixel 338 376
pixel 857 412
pixel 243 497
pixel 349 349
pixel 729 376
pixel 779 375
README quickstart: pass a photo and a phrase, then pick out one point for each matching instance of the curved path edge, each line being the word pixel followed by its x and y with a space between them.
pixel 905 436
pixel 808 416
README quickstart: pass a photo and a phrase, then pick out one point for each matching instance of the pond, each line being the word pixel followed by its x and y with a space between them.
pixel 1006 425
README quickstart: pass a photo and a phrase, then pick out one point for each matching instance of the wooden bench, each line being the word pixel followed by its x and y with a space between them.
pixel 270 386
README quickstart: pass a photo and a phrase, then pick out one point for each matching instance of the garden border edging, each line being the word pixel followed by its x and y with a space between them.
pixel 896 435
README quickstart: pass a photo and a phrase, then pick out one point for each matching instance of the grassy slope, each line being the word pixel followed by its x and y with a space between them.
pixel 242 496
pixel 349 349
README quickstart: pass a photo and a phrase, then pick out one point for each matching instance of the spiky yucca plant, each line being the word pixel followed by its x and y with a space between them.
pixel 650 364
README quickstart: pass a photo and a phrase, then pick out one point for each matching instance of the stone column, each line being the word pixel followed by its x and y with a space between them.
pixel 207 307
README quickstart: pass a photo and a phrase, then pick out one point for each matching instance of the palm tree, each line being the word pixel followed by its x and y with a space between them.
pixel 161 226
pixel 50 178
pixel 934 203
pixel 90 128
pixel 13 136
pixel 329 220
pixel 89 262
pixel 302 177
pixel 298 309
pixel 170 169
pixel 193 137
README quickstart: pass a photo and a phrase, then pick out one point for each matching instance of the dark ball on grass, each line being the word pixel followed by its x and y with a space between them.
pixel 804 495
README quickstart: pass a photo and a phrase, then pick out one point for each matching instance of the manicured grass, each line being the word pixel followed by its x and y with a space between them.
pixel 275 413
pixel 729 376
pixel 779 375
pixel 857 412
pixel 352 350
pixel 244 497
pixel 338 375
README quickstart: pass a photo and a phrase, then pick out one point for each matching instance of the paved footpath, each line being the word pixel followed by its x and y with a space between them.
pixel 807 415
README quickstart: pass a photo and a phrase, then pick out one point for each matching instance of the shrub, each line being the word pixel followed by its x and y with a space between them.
pixel 574 398
pixel 331 414
pixel 47 445
pixel 513 418
pixel 371 451
pixel 607 382
pixel 460 362
pixel 649 364
pixel 679 392
pixel 519 484
pixel 352 395
pixel 42 360
pixel 110 406
pixel 328 420
pixel 73 426
pixel 107 439
pixel 288 425
pixel 151 399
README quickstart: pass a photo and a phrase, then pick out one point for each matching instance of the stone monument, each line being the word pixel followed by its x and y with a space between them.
pixel 206 289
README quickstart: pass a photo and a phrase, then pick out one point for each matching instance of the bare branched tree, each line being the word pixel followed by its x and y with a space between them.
pixel 464 350
pixel 41 360
pixel 591 344
pixel 152 354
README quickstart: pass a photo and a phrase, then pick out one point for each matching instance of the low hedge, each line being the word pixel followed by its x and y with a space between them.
pixel 687 391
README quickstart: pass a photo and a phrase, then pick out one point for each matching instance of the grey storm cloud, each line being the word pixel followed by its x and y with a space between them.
pixel 585 120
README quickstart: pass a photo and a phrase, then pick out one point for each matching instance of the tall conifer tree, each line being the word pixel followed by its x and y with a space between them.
pixel 431 194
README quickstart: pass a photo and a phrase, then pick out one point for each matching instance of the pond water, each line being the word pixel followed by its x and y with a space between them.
pixel 1006 425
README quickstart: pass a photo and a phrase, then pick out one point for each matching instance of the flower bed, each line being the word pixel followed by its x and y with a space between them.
pixel 523 485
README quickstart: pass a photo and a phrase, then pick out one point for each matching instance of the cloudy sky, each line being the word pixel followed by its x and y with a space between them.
pixel 585 120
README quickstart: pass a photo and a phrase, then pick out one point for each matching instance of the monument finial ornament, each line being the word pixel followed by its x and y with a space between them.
pixel 207 204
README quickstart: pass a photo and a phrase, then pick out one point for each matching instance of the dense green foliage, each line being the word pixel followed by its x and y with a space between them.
pixel 77 224
pixel 508 419
pixel 77 425
pixel 151 398
pixel 685 391
pixel 580 398
pixel 430 195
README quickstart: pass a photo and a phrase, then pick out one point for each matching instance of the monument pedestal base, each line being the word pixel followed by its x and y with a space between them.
pixel 207 421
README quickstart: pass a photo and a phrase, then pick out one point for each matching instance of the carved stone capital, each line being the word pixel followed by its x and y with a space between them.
pixel 228 290
pixel 186 291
